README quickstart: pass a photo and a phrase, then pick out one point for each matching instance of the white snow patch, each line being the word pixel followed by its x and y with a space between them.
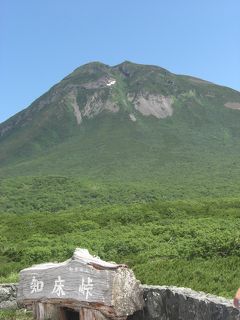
pixel 111 82
pixel 132 117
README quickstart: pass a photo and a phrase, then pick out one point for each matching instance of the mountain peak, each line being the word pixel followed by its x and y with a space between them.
pixel 125 63
pixel 93 65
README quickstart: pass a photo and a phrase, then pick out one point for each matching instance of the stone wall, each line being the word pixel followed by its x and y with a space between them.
pixel 172 303
pixel 161 303
pixel 8 294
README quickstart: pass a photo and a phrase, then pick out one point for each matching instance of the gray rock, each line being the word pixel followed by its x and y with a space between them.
pixel 7 305
pixel 172 303
pixel 4 294
pixel 8 294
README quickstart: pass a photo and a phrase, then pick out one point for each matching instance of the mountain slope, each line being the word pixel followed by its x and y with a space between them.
pixel 126 122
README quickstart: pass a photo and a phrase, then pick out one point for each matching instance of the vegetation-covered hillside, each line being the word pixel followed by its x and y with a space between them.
pixel 136 164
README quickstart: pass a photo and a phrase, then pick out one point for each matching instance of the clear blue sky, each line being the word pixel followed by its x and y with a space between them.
pixel 41 41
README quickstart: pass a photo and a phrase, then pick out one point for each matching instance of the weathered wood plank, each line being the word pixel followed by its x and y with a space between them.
pixel 73 281
pixel 88 314
pixel 43 311
pixel 83 281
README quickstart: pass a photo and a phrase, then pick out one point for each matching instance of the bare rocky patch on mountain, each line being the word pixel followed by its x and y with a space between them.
pixel 232 105
pixel 96 104
pixel 158 106
pixel 76 110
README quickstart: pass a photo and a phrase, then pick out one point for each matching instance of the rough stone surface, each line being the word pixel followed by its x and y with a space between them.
pixel 172 303
pixel 232 105
pixel 151 104
pixel 8 294
pixel 75 106
pixel 96 104
pixel 161 303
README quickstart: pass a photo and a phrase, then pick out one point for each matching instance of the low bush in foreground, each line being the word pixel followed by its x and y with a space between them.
pixel 184 243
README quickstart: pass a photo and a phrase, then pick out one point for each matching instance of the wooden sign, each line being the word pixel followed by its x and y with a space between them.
pixel 83 281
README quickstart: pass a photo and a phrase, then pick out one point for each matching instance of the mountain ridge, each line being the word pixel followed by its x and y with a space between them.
pixel 119 65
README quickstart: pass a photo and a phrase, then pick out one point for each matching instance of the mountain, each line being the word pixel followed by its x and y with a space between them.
pixel 137 164
pixel 128 122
